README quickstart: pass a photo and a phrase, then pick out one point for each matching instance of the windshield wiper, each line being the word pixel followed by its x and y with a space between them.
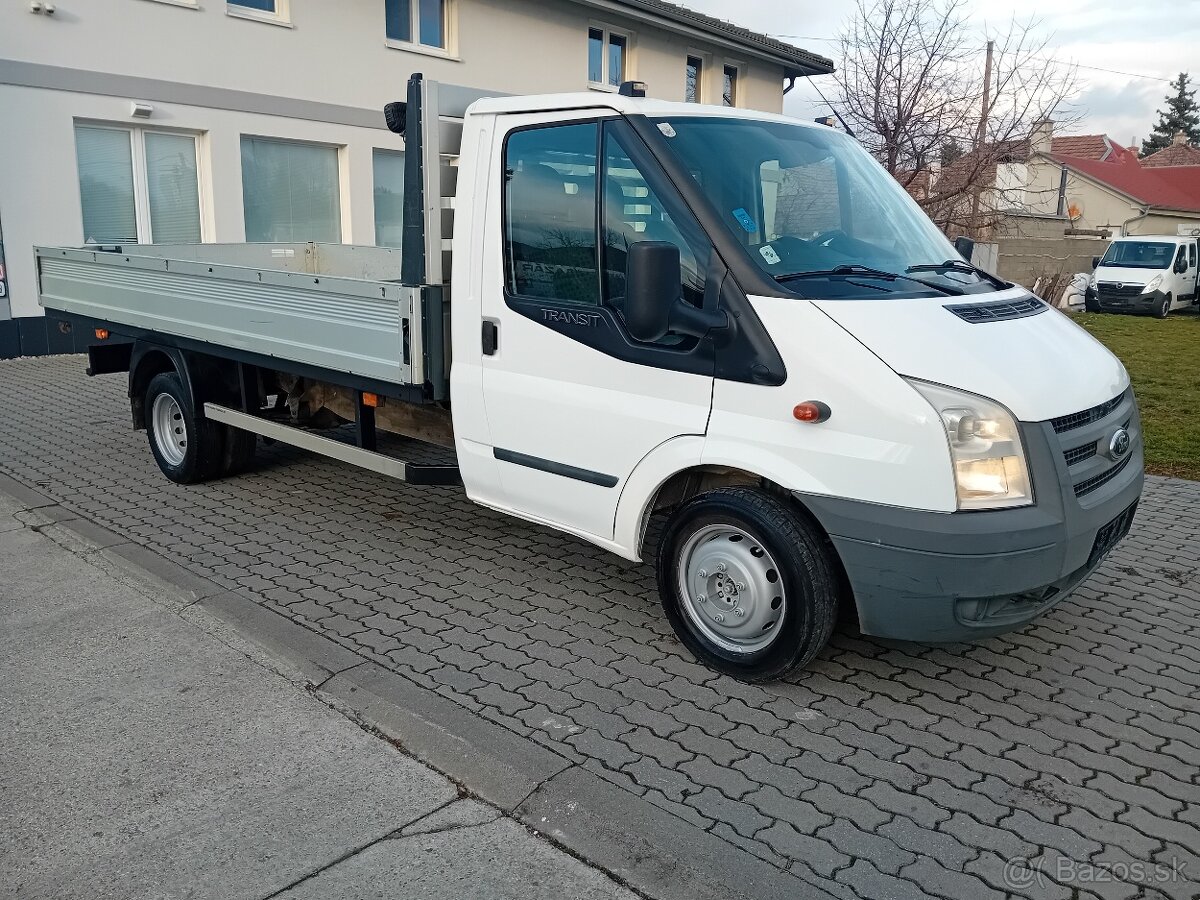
pixel 959 265
pixel 851 270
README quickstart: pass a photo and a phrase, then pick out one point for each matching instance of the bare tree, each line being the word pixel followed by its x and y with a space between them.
pixel 912 87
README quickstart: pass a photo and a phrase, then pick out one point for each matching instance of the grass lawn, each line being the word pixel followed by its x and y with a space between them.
pixel 1163 359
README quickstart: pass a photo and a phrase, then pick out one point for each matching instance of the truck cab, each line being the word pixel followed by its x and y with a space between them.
pixel 1151 274
pixel 689 302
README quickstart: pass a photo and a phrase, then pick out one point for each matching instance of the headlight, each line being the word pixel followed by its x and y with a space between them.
pixel 990 471
pixel 1092 282
pixel 1153 285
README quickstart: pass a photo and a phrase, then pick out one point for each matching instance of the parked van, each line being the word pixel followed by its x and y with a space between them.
pixel 1145 273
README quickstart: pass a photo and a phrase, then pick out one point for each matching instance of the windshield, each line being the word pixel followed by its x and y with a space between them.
pixel 1139 255
pixel 805 201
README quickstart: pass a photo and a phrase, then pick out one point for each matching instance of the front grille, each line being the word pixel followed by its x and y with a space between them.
pixel 1087 416
pixel 1110 289
pixel 1079 454
pixel 1083 488
pixel 979 313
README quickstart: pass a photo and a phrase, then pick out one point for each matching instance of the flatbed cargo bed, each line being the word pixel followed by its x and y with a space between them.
pixel 334 307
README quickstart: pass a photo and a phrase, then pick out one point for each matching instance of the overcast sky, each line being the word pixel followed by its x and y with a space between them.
pixel 1155 39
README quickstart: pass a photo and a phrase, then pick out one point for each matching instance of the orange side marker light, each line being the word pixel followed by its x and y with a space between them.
pixel 811 412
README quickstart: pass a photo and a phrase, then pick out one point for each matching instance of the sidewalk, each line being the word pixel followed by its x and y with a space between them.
pixel 147 751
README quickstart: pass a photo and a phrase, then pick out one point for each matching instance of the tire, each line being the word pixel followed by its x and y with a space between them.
pixel 239 450
pixel 1091 304
pixel 1163 309
pixel 765 546
pixel 187 449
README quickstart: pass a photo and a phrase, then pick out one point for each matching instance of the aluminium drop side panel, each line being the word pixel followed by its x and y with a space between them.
pixel 343 324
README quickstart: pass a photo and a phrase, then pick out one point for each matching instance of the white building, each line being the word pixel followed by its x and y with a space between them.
pixel 260 120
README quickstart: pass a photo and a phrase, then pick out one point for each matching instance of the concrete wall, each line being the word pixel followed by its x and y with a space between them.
pixel 1033 246
pixel 322 76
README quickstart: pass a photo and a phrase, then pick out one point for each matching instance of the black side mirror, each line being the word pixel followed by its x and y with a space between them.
pixel 652 279
pixel 653 307
pixel 1095 262
pixel 965 247
pixel 1180 266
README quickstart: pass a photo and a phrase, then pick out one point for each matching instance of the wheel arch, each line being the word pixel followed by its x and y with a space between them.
pixel 203 377
pixel 673 473
pixel 146 361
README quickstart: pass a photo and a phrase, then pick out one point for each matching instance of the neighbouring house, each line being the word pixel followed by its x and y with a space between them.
pixel 1091 180
pixel 1178 153
pixel 260 120
pixel 1121 195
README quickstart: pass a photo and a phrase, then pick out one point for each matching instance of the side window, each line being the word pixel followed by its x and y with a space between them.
pixel 1192 255
pixel 550 213
pixel 1181 256
pixel 632 212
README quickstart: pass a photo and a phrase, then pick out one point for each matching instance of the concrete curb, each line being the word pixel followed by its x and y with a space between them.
pixel 645 847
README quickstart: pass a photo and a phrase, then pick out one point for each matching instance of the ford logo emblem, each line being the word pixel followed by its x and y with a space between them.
pixel 1119 444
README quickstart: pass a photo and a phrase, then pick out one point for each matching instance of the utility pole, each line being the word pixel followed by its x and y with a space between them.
pixel 981 136
pixel 981 133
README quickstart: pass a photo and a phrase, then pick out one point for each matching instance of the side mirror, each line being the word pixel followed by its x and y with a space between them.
pixel 1180 266
pixel 965 247
pixel 652 279
pixel 1095 262
pixel 653 307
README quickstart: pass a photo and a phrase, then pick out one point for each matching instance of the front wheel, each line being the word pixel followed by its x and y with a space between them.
pixel 1164 307
pixel 748 584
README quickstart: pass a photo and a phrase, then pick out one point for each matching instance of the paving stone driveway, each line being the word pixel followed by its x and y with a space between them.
pixel 886 770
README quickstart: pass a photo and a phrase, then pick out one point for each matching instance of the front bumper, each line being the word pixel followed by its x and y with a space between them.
pixel 937 577
pixel 1137 303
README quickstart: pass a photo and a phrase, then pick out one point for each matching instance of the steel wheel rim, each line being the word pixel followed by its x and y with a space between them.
pixel 170 432
pixel 731 589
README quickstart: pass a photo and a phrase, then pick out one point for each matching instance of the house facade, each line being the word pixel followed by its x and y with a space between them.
pixel 260 120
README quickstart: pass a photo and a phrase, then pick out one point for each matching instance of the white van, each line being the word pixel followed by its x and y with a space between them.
pixel 1145 273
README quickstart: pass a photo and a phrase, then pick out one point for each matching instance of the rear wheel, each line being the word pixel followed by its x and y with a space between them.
pixel 747 583
pixel 188 449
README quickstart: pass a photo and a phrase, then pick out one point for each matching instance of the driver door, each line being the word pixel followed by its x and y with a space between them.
pixel 573 402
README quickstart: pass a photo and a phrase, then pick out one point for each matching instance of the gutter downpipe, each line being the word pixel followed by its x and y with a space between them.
pixel 791 83
pixel 1125 225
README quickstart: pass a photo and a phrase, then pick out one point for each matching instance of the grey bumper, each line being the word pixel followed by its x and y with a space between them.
pixel 939 577
pixel 1139 303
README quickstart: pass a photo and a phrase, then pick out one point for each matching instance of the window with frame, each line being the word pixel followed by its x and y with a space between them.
pixel 692 79
pixel 607 57
pixel 633 212
pixel 290 191
pixel 421 22
pixel 1191 254
pixel 388 171
pixel 729 86
pixel 138 185
pixel 275 11
pixel 552 249
pixel 550 213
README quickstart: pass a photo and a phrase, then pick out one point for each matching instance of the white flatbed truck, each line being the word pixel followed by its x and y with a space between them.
pixel 727 318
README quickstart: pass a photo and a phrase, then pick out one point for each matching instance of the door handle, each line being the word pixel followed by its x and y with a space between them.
pixel 491 337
